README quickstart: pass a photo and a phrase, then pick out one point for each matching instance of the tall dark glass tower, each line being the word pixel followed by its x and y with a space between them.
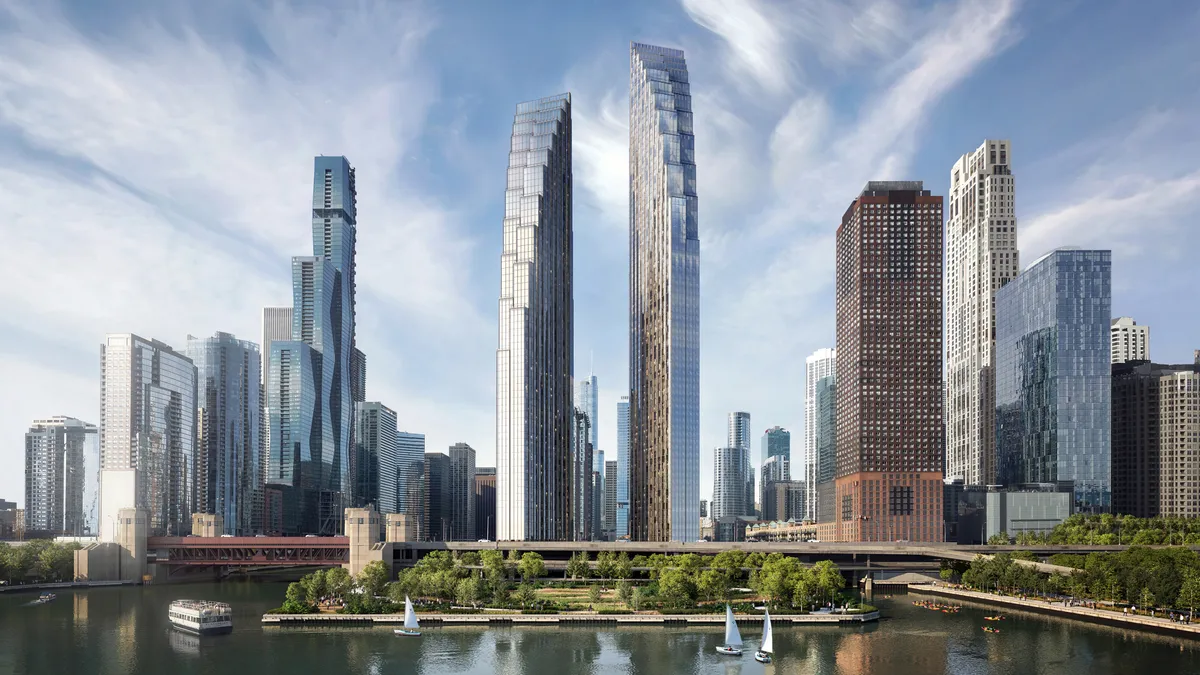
pixel 664 300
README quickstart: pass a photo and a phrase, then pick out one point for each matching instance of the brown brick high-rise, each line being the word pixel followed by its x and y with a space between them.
pixel 890 459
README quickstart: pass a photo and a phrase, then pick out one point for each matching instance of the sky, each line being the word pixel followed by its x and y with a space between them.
pixel 156 173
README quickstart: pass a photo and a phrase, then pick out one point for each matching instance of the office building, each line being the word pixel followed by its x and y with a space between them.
pixel 787 500
pixel 1053 376
pixel 776 469
pixel 437 510
pixel 598 491
pixel 622 526
pixel 664 300
pixel 1155 439
pixel 888 469
pixel 1026 511
pixel 581 501
pixel 377 471
pixel 729 483
pixel 462 492
pixel 825 458
pixel 981 256
pixel 410 481
pixel 56 476
pixel 610 500
pixel 589 402
pixel 776 442
pixel 534 361
pixel 228 431
pixel 147 434
pixel 1130 342
pixel 704 508
pixel 277 325
pixel 8 520
pixel 485 503
pixel 819 364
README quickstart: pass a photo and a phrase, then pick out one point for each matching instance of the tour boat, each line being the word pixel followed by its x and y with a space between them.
pixel 410 621
pixel 763 655
pixel 203 617
pixel 733 639
pixel 44 598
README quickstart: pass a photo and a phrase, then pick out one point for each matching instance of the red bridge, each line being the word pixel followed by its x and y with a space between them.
pixel 247 552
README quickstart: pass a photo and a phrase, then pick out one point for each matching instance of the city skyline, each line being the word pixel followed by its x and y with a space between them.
pixel 428 322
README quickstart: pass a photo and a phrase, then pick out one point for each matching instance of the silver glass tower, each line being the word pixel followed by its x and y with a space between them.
pixel 622 524
pixel 56 477
pixel 818 365
pixel 589 402
pixel 228 445
pixel 534 402
pixel 664 300
pixel 377 450
pixel 147 434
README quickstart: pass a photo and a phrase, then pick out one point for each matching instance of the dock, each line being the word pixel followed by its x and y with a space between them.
pixel 575 618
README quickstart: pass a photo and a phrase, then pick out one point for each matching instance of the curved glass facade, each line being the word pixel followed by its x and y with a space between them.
pixel 1053 375
pixel 664 300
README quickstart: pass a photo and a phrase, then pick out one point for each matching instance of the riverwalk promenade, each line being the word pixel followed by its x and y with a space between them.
pixel 579 618
pixel 1057 608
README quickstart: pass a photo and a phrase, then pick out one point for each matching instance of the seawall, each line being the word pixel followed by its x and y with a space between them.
pixel 573 618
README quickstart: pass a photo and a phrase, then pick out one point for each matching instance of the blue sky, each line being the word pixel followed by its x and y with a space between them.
pixel 156 162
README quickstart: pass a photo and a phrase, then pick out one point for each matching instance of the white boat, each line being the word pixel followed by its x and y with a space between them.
pixel 733 639
pixel 44 598
pixel 763 655
pixel 410 621
pixel 202 617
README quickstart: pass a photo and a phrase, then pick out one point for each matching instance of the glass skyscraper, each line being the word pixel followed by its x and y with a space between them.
pixel 147 434
pixel 228 442
pixel 534 357
pixel 1054 377
pixel 664 300
pixel 56 477
pixel 589 402
pixel 622 525
pixel 323 290
pixel 410 483
pixel 377 467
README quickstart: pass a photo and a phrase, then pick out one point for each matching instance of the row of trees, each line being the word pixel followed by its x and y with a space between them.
pixel 362 594
pixel 1110 530
pixel 39 560
pixel 1140 576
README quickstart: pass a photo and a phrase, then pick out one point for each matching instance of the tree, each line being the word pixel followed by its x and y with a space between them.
pixel 337 582
pixel 946 574
pixel 594 594
pixel 713 584
pixel 511 563
pixel 730 563
pixel 802 590
pixel 829 579
pixel 470 558
pixel 1147 599
pixel 56 562
pixel 373 578
pixel 531 566
pixel 314 587
pixel 636 598
pixel 1189 593
pixel 776 579
pixel 526 595
pixel 657 563
pixel 577 566
pixel 606 564
pixel 624 591
pixel 493 565
pixel 296 600
pixel 999 539
pixel 623 569
pixel 468 591
pixel 676 588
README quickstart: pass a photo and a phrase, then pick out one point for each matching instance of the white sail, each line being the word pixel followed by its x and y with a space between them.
pixel 410 617
pixel 732 637
pixel 768 645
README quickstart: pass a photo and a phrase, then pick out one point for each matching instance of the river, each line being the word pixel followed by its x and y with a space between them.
pixel 124 631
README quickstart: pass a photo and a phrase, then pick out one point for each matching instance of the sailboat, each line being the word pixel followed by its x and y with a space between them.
pixel 733 639
pixel 410 621
pixel 763 655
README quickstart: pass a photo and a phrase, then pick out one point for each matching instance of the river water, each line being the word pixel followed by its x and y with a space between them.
pixel 125 630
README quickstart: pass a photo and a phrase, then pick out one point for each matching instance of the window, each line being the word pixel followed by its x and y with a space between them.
pixel 847 507
pixel 900 502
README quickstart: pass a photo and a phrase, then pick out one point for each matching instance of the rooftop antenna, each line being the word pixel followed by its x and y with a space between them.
pixel 592 362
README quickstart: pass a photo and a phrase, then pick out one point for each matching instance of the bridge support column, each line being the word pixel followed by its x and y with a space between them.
pixel 364 528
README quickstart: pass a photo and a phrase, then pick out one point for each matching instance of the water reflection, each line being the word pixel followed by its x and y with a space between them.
pixel 183 643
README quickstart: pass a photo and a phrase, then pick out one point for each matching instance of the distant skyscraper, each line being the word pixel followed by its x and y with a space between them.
pixel 703 508
pixel 738 436
pixel 824 459
pixel 581 498
pixel 410 477
pixel 147 434
pixel 981 256
pixel 294 459
pixel 729 483
pixel 56 476
pixel 610 499
pixel 228 434
pixel 664 300
pixel 277 325
pixel 1054 375
pixel 819 364
pixel 462 492
pixel 485 503
pixel 775 470
pixel 598 491
pixel 437 497
pixel 889 365
pixel 776 442
pixel 622 526
pixel 377 473
pixel 589 402
pixel 1130 342
pixel 534 361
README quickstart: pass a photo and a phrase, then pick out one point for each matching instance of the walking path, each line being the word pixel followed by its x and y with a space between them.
pixel 1057 608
